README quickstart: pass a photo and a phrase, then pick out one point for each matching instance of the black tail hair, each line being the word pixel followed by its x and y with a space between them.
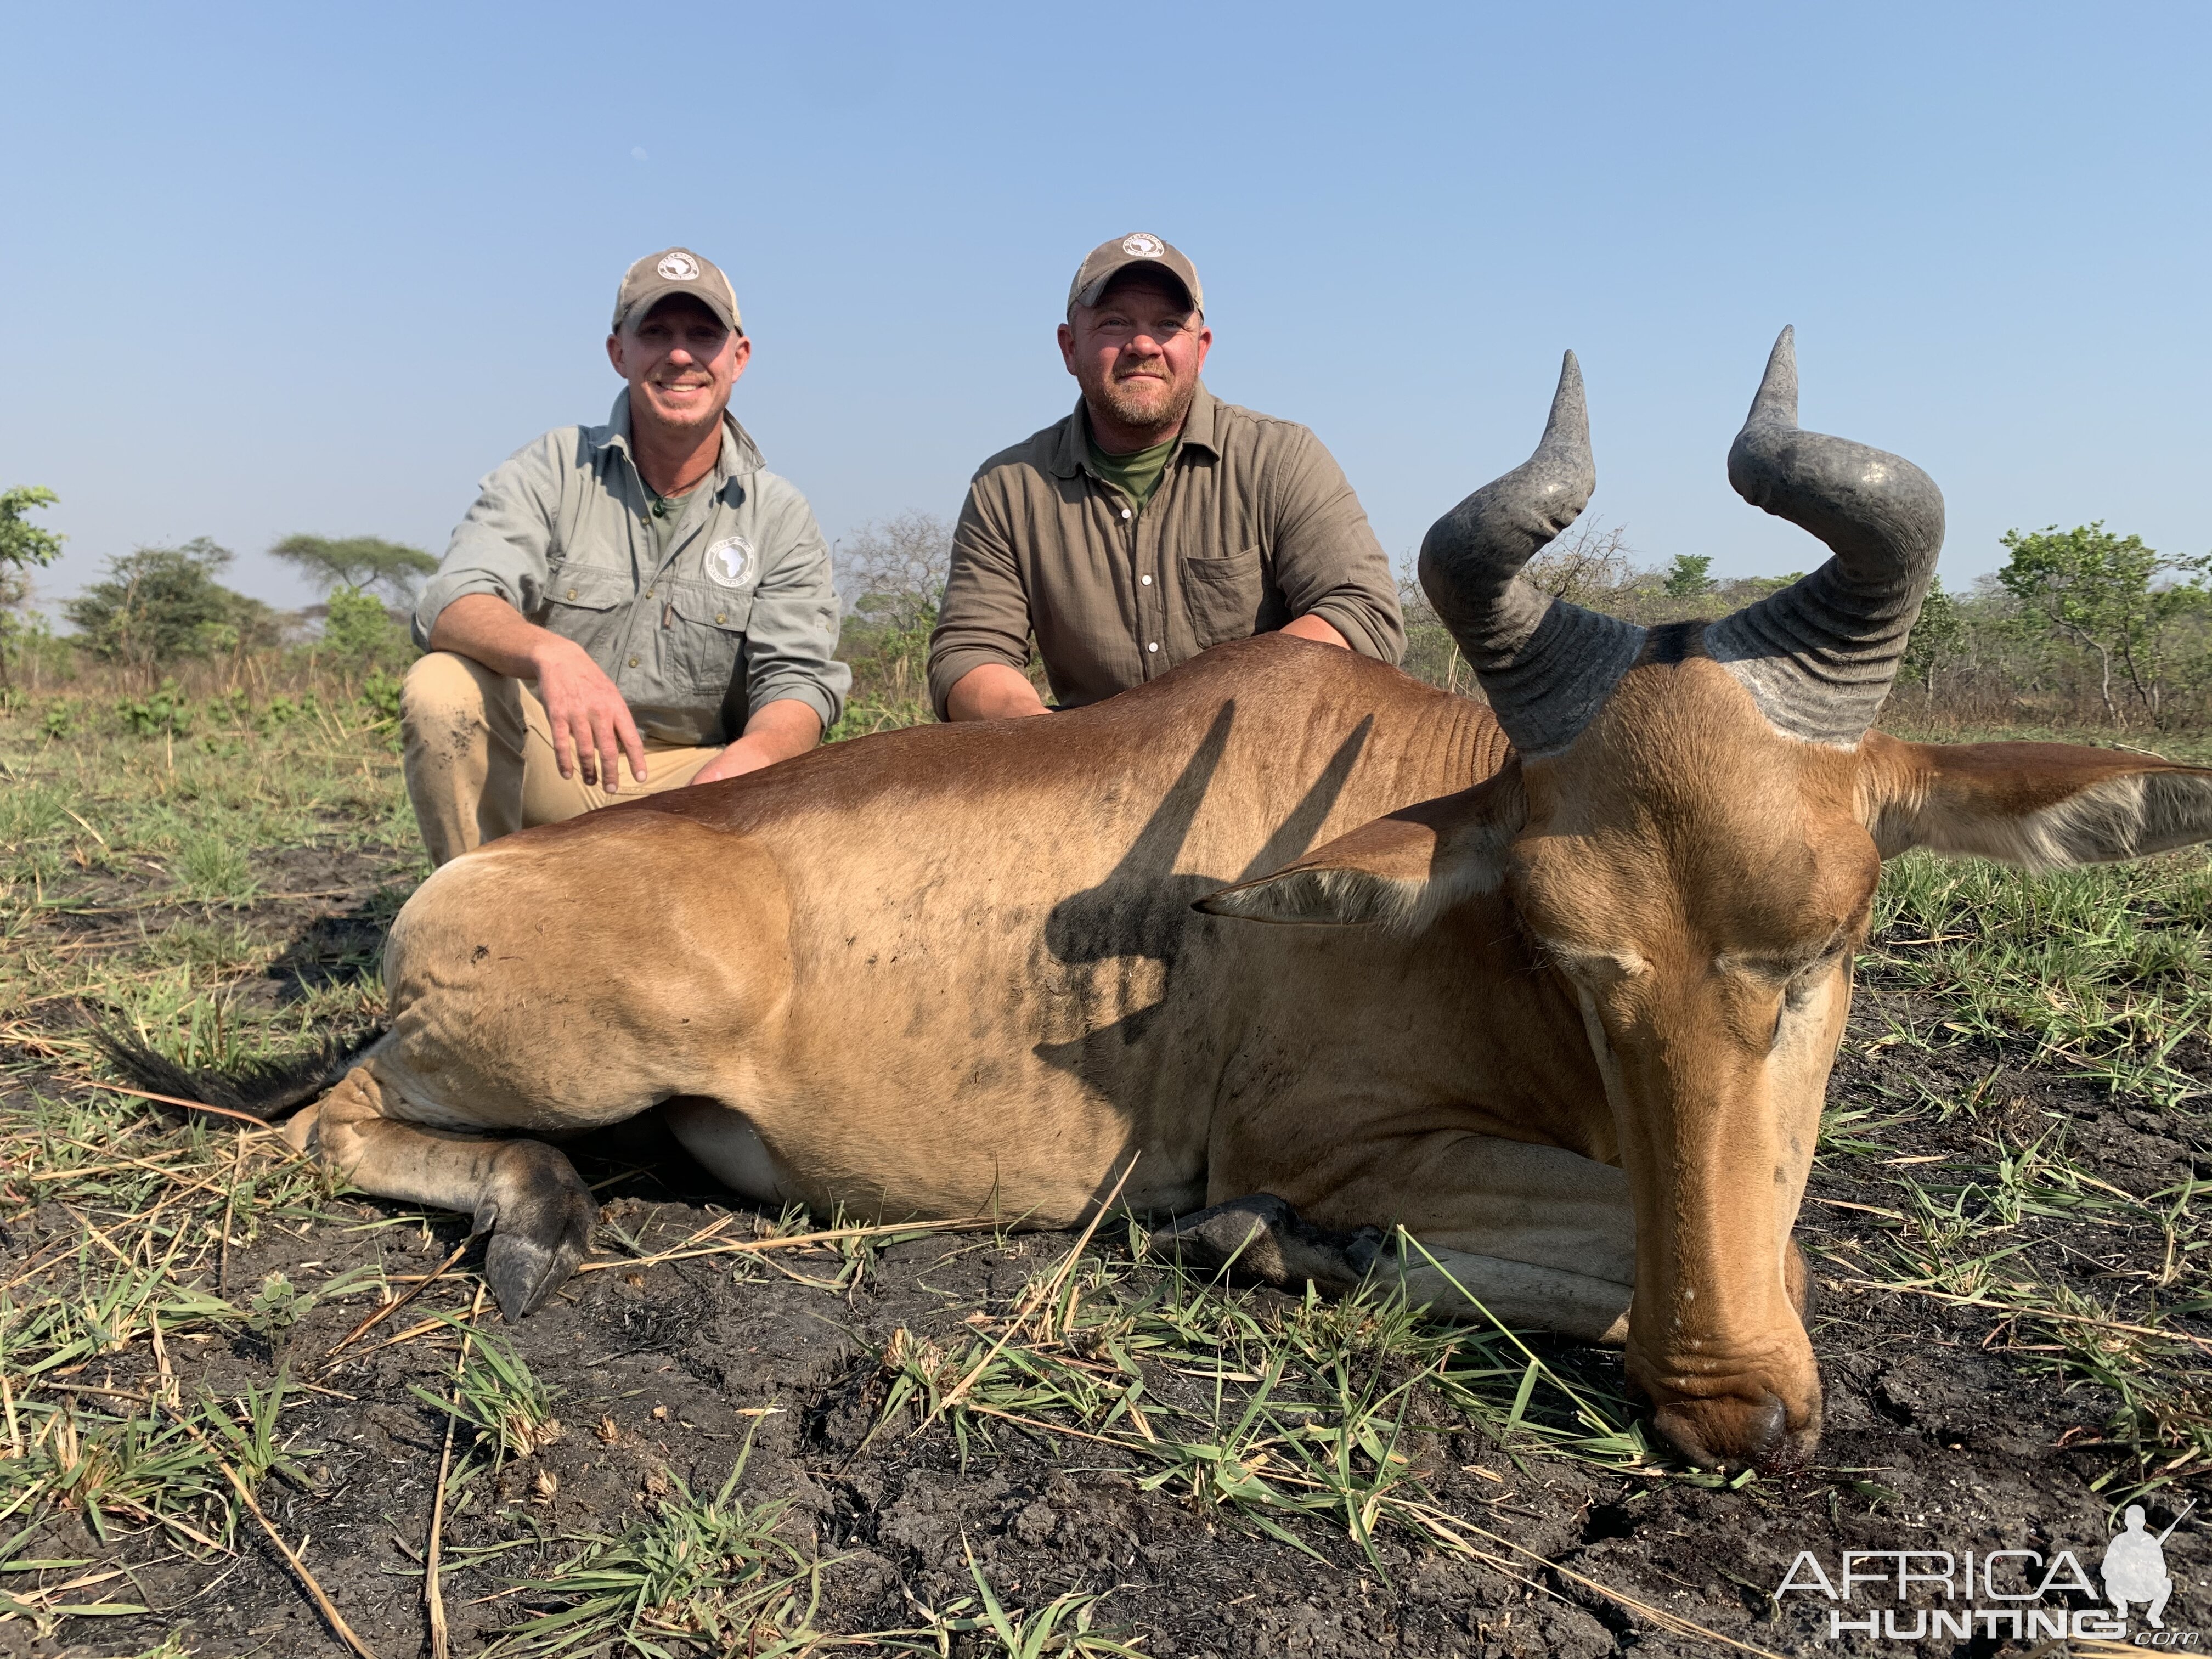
pixel 269 1088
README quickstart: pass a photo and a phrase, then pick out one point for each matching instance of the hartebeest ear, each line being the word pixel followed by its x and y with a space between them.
pixel 1399 873
pixel 2043 804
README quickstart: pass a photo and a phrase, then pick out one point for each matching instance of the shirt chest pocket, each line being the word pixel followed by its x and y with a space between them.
pixel 1224 597
pixel 706 635
pixel 588 604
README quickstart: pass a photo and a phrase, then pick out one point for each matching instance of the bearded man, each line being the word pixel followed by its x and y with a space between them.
pixel 1153 522
pixel 645 591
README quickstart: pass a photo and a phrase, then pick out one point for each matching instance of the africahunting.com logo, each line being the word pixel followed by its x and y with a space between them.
pixel 1907 1596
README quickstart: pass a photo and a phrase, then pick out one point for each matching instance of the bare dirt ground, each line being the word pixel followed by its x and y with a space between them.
pixel 1945 1430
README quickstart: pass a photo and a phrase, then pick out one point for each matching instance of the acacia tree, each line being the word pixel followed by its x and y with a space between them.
pixel 2109 595
pixel 359 563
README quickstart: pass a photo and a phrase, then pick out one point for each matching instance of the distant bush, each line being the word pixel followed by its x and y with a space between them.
pixel 892 577
pixel 360 635
pixel 159 604
pixel 23 632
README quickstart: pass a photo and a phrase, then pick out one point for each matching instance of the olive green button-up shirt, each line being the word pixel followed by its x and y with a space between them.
pixel 729 608
pixel 1252 524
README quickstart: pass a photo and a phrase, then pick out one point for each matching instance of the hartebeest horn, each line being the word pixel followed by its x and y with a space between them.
pixel 1546 665
pixel 1818 656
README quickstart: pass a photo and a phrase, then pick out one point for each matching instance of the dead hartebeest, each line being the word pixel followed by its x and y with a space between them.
pixel 1565 979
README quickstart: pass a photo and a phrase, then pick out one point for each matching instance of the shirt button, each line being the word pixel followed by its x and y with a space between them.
pixel 1125 511
pixel 719 616
pixel 572 593
pixel 1153 646
pixel 633 662
pixel 648 592
pixel 1147 580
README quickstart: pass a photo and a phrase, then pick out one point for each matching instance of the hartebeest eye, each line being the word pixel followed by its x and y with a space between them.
pixel 1791 970
pixel 1798 991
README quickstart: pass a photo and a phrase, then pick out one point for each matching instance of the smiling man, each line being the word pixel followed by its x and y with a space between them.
pixel 1154 521
pixel 643 593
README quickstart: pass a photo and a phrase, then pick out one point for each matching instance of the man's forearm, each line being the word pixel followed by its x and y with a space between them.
pixel 486 628
pixel 993 691
pixel 1315 627
pixel 776 731
pixel 780 729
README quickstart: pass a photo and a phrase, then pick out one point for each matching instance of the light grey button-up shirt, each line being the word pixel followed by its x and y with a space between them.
pixel 738 613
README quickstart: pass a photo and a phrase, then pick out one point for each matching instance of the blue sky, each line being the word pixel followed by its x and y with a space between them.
pixel 319 267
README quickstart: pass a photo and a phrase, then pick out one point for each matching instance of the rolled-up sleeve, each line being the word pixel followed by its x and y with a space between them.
pixel 502 545
pixel 1328 561
pixel 791 638
pixel 985 618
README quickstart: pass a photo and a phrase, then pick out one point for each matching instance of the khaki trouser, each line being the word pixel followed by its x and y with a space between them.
pixel 479 759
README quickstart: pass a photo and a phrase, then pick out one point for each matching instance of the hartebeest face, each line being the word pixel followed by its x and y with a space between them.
pixel 1695 861
pixel 1699 883
pixel 1690 839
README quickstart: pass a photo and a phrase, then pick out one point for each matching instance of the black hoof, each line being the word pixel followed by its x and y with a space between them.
pixel 1261 1238
pixel 541 1226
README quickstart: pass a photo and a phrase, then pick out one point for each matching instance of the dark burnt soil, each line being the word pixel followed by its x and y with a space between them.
pixel 1947 1430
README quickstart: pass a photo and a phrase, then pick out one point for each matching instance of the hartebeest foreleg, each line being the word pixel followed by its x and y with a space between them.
pixel 1538 1236
pixel 1264 1238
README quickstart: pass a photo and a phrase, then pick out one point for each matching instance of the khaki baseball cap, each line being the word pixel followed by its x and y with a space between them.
pixel 1140 248
pixel 675 271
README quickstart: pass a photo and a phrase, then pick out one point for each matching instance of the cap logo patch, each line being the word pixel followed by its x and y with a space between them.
pixel 731 561
pixel 677 267
pixel 1143 246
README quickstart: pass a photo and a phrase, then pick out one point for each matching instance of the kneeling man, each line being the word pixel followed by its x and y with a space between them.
pixel 645 591
pixel 1154 521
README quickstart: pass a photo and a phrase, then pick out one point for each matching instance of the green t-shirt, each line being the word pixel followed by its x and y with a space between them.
pixel 665 511
pixel 1135 475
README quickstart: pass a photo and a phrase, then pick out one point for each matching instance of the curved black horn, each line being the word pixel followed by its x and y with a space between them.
pixel 1819 655
pixel 1545 665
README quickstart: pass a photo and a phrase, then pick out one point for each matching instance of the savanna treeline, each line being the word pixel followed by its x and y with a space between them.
pixel 2080 628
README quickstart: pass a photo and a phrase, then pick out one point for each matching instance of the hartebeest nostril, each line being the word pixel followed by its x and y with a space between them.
pixel 1727 1432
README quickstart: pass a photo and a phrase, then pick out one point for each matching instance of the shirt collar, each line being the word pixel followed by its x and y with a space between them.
pixel 1072 453
pixel 740 455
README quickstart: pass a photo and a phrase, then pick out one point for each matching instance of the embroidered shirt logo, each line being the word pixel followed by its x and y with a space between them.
pixel 1144 245
pixel 678 267
pixel 731 561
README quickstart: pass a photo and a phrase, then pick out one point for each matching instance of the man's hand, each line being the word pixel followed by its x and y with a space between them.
pixel 993 691
pixel 591 726
pixel 779 731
